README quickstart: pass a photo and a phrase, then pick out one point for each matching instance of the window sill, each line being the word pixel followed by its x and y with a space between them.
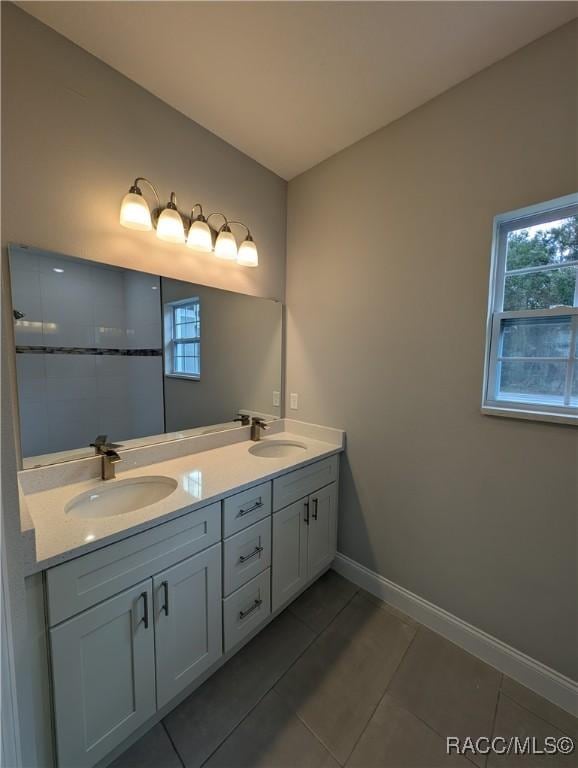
pixel 182 376
pixel 528 415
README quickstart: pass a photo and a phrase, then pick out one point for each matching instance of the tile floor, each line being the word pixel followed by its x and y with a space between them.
pixel 341 679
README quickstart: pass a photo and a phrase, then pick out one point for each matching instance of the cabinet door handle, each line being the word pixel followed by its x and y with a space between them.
pixel 254 553
pixel 315 508
pixel 165 607
pixel 257 505
pixel 249 611
pixel 145 618
pixel 306 518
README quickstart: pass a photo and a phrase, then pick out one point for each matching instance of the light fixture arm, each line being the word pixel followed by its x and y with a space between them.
pixel 217 213
pixel 135 189
pixel 200 217
pixel 240 224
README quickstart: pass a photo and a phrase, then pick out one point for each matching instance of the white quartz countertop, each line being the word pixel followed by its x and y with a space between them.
pixel 202 477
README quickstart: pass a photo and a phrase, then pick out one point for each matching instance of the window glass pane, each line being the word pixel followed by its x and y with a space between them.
pixel 540 290
pixel 574 390
pixel 551 243
pixel 539 382
pixel 187 331
pixel 536 337
pixel 187 358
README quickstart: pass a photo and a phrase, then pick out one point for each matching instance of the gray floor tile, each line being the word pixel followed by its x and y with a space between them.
pixel 204 720
pixel 337 683
pixel 513 720
pixel 153 750
pixel 320 604
pixel 447 688
pixel 541 707
pixel 272 737
pixel 387 607
pixel 395 738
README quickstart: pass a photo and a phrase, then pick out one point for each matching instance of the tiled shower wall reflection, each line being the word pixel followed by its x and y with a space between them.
pixel 88 351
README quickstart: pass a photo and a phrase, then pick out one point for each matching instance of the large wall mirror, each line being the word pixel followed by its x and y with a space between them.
pixel 138 357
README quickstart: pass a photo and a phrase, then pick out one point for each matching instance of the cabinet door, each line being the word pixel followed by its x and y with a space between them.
pixel 289 551
pixel 188 621
pixel 322 544
pixel 104 676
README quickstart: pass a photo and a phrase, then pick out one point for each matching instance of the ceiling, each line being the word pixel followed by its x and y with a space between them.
pixel 291 83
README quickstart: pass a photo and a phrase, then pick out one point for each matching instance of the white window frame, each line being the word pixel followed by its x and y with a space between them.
pixel 525 408
pixel 171 341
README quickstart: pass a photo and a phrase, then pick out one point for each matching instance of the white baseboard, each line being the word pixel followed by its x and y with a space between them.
pixel 545 681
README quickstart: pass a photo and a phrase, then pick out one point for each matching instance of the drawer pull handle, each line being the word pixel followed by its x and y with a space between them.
pixel 254 553
pixel 249 611
pixel 306 518
pixel 145 618
pixel 165 607
pixel 257 505
pixel 315 508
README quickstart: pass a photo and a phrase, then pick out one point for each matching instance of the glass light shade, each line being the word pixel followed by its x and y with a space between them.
pixel 134 212
pixel 248 255
pixel 199 237
pixel 170 226
pixel 226 246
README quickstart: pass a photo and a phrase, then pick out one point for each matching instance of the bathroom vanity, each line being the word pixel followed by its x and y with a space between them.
pixel 144 601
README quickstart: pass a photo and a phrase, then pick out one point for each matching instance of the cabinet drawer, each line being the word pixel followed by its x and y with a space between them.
pixel 81 583
pixel 302 482
pixel 245 508
pixel 246 554
pixel 246 609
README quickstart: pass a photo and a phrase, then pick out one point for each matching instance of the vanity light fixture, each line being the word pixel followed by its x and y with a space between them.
pixel 134 210
pixel 175 227
pixel 199 237
pixel 170 224
pixel 226 245
pixel 247 256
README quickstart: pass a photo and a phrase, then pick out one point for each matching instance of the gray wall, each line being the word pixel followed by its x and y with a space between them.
pixel 75 133
pixel 240 358
pixel 388 264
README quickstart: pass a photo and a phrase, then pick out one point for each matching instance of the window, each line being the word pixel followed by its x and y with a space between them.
pixel 183 334
pixel 532 343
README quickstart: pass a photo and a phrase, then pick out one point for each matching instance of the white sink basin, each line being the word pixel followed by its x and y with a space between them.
pixel 276 449
pixel 117 497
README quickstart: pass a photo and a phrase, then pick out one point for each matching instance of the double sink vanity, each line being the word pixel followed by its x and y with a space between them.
pixel 151 580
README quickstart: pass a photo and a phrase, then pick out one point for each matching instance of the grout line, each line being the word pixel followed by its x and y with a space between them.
pixel 312 732
pixel 374 710
pixel 246 715
pixel 178 754
pixel 307 647
pixel 495 715
pixel 400 704
pixel 540 717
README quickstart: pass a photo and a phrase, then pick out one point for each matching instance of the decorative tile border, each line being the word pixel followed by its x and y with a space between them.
pixel 88 351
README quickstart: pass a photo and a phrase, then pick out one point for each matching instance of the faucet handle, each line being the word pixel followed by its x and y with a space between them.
pixel 101 444
pixel 260 421
pixel 99 441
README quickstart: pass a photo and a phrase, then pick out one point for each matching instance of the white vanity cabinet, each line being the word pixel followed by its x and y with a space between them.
pixel 136 623
pixel 117 662
pixel 187 619
pixel 103 676
pixel 304 531
pixel 304 543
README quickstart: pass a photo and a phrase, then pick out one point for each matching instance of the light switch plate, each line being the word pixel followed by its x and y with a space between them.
pixel 294 401
pixel 277 398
